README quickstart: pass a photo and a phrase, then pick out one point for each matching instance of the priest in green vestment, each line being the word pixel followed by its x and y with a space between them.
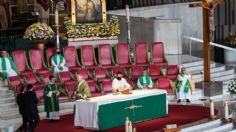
pixel 82 90
pixel 7 66
pixel 51 103
pixel 144 81
pixel 58 63
pixel 183 90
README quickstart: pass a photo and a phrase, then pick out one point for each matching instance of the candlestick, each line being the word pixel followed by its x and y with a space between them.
pixel 212 108
pixel 127 12
pixel 226 110
pixel 127 124
pixel 56 17
pixel 130 126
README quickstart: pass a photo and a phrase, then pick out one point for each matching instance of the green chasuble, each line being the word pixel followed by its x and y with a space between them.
pixel 51 103
pixel 183 81
pixel 148 80
pixel 61 58
pixel 4 66
pixel 83 89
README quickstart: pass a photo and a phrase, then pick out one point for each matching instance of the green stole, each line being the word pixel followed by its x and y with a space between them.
pixel 54 58
pixel 148 81
pixel 4 67
pixel 180 83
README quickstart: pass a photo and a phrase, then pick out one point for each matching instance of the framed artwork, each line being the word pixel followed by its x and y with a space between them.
pixel 88 11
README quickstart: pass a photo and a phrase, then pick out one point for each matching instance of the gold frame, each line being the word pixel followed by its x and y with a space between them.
pixel 73 11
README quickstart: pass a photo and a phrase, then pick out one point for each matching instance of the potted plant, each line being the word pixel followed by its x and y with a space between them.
pixel 232 87
pixel 39 33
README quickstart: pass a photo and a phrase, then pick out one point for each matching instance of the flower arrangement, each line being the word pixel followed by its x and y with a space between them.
pixel 109 29
pixel 232 86
pixel 231 39
pixel 39 31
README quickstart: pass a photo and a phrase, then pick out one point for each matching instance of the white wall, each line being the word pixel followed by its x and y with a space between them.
pixel 191 19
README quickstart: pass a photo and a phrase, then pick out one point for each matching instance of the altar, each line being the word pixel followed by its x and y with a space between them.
pixel 92 41
pixel 108 111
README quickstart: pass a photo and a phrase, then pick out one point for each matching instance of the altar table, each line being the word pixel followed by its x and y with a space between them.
pixel 108 111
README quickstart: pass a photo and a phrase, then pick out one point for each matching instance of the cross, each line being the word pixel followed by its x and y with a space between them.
pixel 133 107
pixel 208 29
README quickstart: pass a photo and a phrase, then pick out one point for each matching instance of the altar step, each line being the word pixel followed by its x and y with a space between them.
pixel 210 126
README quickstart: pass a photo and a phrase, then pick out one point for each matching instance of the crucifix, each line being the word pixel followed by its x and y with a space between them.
pixel 208 31
pixel 133 107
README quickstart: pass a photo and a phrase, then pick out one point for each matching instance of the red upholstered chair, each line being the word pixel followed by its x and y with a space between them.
pixel 105 56
pixel 88 57
pixel 141 51
pixel 100 74
pixel 106 86
pixel 135 72
pixel 71 58
pixel 164 83
pixel 123 55
pixel 14 83
pixel 155 72
pixel 93 89
pixel 172 72
pixel 49 53
pixel 45 77
pixel 85 75
pixel 38 87
pixel 20 62
pixel 157 54
pixel 66 79
pixel 37 61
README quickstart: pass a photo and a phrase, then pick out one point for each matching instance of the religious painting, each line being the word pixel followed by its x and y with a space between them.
pixel 89 11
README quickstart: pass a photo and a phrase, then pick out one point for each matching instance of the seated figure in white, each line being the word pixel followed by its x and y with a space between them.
pixel 119 84
pixel 58 63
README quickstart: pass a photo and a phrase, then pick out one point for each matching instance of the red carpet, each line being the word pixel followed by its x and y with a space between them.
pixel 178 114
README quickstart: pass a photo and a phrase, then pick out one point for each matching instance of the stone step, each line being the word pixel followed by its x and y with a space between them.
pixel 7 100
pixel 8 105
pixel 192 64
pixel 196 95
pixel 9 116
pixel 222 128
pixel 214 74
pixel 213 70
pixel 203 126
pixel 233 130
pixel 197 69
pixel 224 78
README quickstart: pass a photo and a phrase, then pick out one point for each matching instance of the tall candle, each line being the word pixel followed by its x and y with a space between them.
pixel 127 12
pixel 73 17
pixel 134 130
pixel 130 126
pixel 212 108
pixel 56 17
pixel 226 110
pixel 127 124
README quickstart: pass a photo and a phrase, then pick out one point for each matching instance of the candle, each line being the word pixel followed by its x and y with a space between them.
pixel 56 17
pixel 226 111
pixel 127 124
pixel 73 18
pixel 127 12
pixel 134 130
pixel 130 126
pixel 212 108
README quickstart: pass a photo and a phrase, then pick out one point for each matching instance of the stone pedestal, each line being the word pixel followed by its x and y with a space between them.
pixel 211 89
pixel 229 57
pixel 92 41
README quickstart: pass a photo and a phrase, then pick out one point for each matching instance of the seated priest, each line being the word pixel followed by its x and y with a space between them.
pixel 7 66
pixel 119 84
pixel 58 63
pixel 81 90
pixel 144 81
pixel 183 90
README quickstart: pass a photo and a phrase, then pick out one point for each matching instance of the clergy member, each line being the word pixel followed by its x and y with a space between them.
pixel 7 66
pixel 81 90
pixel 119 83
pixel 183 86
pixel 51 103
pixel 58 63
pixel 144 81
